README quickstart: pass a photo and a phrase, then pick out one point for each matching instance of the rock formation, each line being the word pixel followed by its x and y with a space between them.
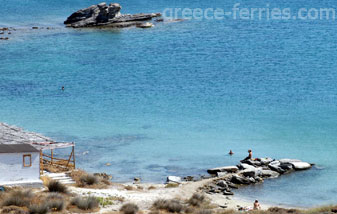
pixel 103 15
pixel 251 171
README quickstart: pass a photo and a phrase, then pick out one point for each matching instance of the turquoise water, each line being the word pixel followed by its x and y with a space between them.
pixel 172 100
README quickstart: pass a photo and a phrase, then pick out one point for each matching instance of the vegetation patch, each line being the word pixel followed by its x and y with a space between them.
pixel 87 203
pixel 129 188
pixel 14 210
pixel 171 185
pixel 86 180
pixel 173 206
pixel 56 186
pixel 196 200
pixel 129 208
pixel 38 209
pixel 17 198
pixel 105 201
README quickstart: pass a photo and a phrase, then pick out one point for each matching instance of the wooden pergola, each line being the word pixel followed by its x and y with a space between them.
pixel 50 160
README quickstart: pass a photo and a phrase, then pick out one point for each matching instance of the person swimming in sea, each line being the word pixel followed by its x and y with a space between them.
pixel 62 88
pixel 231 152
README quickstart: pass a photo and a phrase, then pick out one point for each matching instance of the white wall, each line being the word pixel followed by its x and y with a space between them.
pixel 12 169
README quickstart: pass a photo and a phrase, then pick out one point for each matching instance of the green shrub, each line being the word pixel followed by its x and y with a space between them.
pixel 56 186
pixel 38 209
pixel 88 203
pixel 105 201
pixel 129 208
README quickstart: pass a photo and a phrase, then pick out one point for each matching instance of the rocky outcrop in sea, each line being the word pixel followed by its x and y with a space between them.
pixel 103 15
pixel 251 171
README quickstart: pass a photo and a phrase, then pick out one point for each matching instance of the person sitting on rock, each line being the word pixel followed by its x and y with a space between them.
pixel 250 155
pixel 257 205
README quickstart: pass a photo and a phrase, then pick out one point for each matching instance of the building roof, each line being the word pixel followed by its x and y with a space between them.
pixel 17 148
pixel 15 135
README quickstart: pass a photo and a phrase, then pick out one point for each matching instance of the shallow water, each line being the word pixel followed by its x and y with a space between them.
pixel 172 100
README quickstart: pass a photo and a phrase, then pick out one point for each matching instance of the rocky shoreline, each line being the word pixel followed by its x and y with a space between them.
pixel 251 171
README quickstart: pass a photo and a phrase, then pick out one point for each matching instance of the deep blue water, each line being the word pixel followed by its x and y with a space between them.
pixel 172 100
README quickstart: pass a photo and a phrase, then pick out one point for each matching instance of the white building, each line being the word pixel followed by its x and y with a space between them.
pixel 24 156
pixel 19 164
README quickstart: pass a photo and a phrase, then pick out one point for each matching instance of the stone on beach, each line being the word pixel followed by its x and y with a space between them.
pixel 173 179
pixel 222 183
pixel 214 171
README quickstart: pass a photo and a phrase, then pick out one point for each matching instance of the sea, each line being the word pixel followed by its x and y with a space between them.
pixel 175 98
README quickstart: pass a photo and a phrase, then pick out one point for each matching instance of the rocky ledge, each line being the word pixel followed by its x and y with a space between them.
pixel 251 171
pixel 103 15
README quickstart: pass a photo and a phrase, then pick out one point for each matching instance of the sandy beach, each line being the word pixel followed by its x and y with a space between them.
pixel 143 195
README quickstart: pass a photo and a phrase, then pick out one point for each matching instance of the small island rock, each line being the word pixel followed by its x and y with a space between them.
pixel 103 15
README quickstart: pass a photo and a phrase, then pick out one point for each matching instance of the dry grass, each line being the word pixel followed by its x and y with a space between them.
pixel 45 180
pixel 83 179
pixel 88 180
pixel 14 210
pixel 204 211
pixel 17 198
pixel 173 206
pixel 38 209
pixel 129 208
pixel 140 188
pixel 55 168
pixel 171 185
pixel 56 186
pixel 152 187
pixel 278 210
pixel 196 200
pixel 129 188
pixel 227 211
pixel 56 205
pixel 88 203
pixel 322 209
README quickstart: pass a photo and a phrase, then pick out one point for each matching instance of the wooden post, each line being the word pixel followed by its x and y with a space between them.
pixel 73 151
pixel 70 156
pixel 52 156
pixel 41 162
